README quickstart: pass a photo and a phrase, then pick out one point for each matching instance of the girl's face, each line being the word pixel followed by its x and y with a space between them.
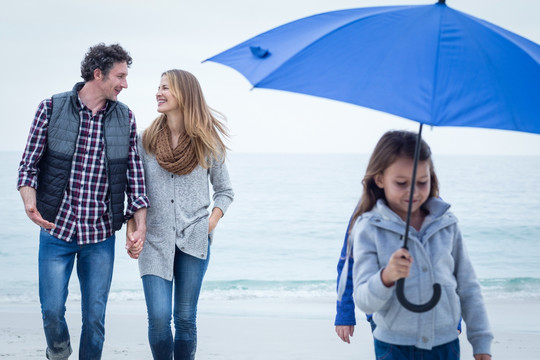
pixel 396 184
pixel 165 99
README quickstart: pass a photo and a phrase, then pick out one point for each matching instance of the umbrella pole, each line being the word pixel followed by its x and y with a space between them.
pixel 400 285
pixel 413 184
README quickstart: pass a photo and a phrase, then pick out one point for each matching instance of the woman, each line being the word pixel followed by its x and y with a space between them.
pixel 181 150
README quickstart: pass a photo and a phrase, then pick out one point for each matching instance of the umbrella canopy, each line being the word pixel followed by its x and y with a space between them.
pixel 428 63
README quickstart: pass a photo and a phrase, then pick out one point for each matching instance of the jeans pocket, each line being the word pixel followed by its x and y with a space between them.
pixel 382 350
pixel 455 349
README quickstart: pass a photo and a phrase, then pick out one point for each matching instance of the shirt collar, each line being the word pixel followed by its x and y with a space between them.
pixel 83 106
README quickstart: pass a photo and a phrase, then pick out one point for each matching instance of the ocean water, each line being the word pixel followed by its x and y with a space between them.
pixel 281 238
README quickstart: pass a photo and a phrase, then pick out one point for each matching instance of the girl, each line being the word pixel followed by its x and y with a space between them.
pixel 436 254
pixel 181 151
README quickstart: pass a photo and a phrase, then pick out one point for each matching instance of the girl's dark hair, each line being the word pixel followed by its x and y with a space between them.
pixel 391 146
pixel 103 57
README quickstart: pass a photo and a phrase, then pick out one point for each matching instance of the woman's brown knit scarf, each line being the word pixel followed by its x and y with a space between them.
pixel 181 160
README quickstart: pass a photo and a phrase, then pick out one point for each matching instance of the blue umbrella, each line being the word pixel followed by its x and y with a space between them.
pixel 427 63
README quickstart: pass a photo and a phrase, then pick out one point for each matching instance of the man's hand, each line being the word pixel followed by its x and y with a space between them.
pixel 28 195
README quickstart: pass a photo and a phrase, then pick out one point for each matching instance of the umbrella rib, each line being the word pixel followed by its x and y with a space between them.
pixel 504 34
pixel 490 68
pixel 329 33
pixel 435 70
pixel 412 22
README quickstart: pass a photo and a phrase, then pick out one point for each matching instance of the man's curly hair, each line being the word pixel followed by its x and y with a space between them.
pixel 103 57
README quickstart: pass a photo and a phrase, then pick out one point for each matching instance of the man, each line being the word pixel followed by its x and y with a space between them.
pixel 79 163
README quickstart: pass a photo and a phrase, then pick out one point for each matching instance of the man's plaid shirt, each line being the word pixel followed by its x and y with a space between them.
pixel 84 213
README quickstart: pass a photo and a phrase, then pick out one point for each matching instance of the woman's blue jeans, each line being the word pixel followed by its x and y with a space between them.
pixel 187 278
pixel 94 269
pixel 448 351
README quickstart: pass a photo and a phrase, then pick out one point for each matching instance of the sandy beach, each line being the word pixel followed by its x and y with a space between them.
pixel 255 333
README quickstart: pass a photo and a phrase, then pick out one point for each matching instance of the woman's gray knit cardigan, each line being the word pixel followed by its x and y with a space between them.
pixel 178 213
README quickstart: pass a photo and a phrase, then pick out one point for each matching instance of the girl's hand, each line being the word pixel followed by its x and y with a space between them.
pixel 398 267
pixel 344 332
pixel 482 357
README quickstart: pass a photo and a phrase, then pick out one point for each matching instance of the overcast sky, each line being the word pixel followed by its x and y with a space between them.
pixel 43 43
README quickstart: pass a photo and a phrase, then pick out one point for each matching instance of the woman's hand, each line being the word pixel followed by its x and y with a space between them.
pixel 216 215
pixel 398 267
pixel 344 332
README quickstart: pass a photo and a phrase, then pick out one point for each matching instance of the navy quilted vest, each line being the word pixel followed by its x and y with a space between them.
pixel 55 165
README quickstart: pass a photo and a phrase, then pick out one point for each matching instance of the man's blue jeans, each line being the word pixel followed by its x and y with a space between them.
pixel 94 269
pixel 188 276
pixel 448 351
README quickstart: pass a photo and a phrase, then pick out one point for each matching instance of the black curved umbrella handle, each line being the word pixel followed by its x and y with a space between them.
pixel 414 307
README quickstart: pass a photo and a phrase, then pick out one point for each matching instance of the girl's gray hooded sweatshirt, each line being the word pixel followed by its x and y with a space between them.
pixel 439 255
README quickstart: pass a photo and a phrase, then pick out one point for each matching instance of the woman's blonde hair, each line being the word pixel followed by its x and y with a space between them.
pixel 391 146
pixel 201 122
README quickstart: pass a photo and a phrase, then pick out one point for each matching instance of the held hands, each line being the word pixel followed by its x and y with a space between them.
pixel 344 332
pixel 134 244
pixel 135 238
pixel 398 267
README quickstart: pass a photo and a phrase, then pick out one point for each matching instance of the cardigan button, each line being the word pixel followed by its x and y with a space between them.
pixel 172 200
pixel 425 339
